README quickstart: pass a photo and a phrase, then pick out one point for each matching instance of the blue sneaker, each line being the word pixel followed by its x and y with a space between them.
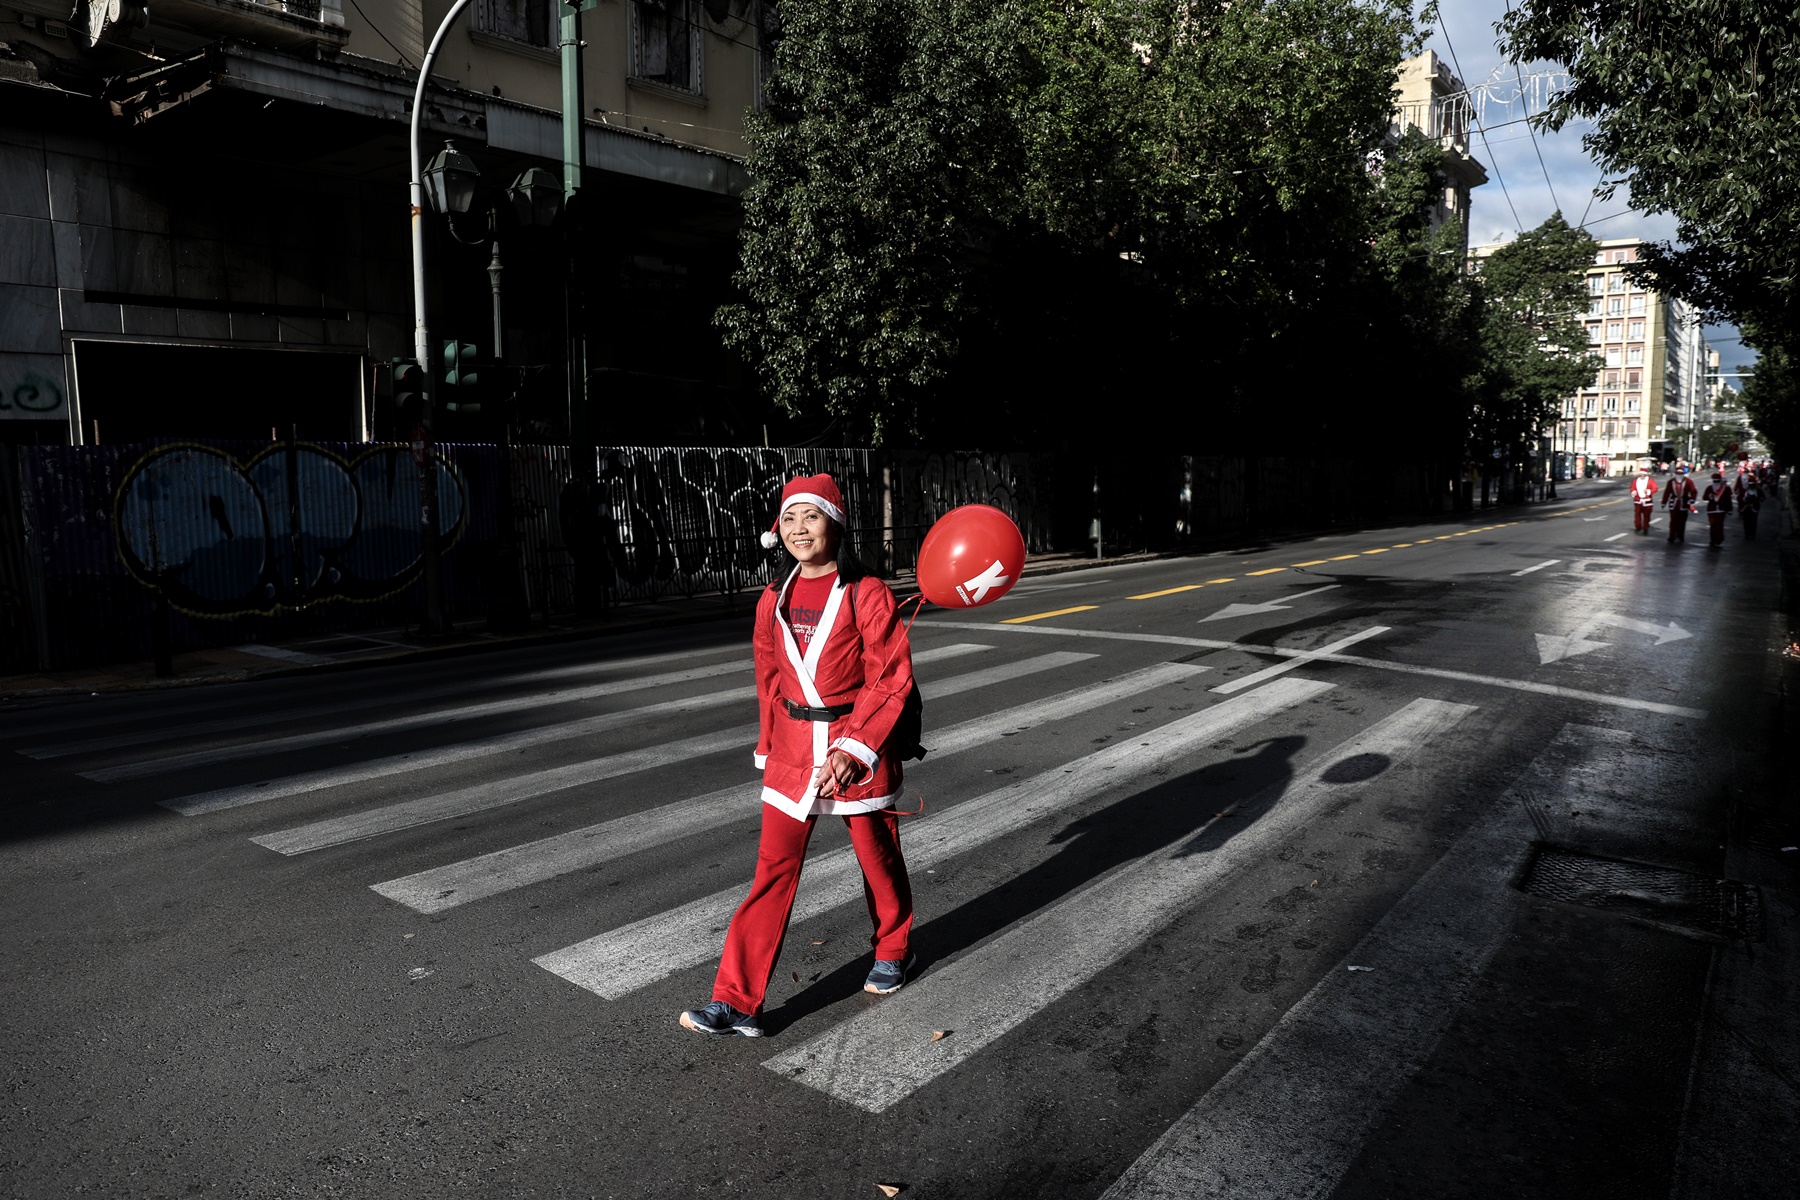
pixel 889 975
pixel 720 1017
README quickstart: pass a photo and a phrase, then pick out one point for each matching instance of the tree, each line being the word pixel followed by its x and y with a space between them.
pixel 1534 343
pixel 1772 400
pixel 1696 110
pixel 976 209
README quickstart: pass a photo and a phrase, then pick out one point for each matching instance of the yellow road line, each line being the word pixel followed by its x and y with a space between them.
pixel 1315 562
pixel 1399 545
pixel 1186 587
pixel 1382 550
pixel 1227 579
pixel 1270 571
pixel 1056 613
pixel 1341 558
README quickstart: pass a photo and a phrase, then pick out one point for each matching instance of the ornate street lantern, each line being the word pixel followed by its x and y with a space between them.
pixel 451 179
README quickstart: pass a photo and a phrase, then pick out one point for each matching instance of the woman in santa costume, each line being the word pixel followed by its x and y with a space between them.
pixel 833 670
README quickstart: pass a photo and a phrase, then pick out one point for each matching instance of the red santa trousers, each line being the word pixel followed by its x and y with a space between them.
pixel 1642 515
pixel 753 942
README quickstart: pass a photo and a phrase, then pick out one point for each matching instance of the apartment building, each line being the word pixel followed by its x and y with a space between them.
pixel 1430 98
pixel 1652 380
pixel 205 225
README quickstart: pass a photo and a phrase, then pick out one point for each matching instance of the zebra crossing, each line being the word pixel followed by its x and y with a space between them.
pixel 870 1059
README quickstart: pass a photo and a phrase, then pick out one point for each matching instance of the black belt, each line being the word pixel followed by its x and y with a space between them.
pixel 830 712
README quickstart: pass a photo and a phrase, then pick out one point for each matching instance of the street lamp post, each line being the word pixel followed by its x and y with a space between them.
pixel 434 622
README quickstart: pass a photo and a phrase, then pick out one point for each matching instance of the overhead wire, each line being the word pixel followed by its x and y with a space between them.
pixel 1444 28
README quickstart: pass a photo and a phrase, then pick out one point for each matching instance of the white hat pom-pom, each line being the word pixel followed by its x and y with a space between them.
pixel 770 539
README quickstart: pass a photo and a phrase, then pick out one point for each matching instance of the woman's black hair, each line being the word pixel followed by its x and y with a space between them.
pixel 851 569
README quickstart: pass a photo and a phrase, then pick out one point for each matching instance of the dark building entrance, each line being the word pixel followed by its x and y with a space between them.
pixel 137 391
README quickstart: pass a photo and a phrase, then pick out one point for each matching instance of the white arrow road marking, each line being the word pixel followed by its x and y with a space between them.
pixel 1593 518
pixel 875 1059
pixel 1551 562
pixel 1615 537
pixel 1256 677
pixel 1552 647
pixel 1244 610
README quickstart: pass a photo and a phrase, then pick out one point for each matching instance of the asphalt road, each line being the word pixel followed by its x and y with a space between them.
pixel 1436 861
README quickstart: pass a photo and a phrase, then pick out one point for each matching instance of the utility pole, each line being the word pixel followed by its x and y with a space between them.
pixel 581 431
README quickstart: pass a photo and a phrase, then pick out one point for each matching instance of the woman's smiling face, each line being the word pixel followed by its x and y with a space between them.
pixel 808 535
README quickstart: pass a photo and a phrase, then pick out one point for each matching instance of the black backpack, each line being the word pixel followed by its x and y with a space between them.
pixel 910 728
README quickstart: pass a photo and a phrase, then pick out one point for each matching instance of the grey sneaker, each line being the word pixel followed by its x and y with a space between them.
pixel 720 1017
pixel 889 975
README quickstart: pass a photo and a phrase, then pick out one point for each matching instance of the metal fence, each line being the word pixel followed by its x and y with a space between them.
pixel 213 543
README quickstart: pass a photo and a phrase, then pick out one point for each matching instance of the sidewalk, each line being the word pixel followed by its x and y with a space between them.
pixel 349 650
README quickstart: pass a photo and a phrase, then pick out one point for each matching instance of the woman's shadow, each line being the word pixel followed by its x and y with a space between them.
pixel 1209 806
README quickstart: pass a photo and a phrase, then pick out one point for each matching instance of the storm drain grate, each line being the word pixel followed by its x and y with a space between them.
pixel 1721 908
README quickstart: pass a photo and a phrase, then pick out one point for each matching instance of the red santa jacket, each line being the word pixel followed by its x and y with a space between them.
pixel 1680 493
pixel 1643 490
pixel 859 655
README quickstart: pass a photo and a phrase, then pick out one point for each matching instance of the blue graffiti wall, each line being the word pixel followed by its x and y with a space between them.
pixel 246 540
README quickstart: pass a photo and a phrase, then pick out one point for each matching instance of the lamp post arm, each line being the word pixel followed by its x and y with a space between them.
pixel 421 338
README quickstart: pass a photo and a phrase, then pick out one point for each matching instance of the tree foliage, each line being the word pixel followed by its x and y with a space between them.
pixel 1772 398
pixel 1535 346
pixel 1696 109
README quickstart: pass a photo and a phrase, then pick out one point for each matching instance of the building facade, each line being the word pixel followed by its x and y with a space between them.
pixel 204 223
pixel 1431 99
pixel 1652 379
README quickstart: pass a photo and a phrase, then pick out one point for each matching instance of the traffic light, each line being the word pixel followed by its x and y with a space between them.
pixel 461 377
pixel 406 383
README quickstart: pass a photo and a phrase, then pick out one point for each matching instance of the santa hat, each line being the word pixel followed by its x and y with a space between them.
pixel 820 490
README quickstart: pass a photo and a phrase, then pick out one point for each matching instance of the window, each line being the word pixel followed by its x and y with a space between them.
pixel 666 38
pixel 1631 429
pixel 1614 330
pixel 1596 284
pixel 1637 304
pixel 1595 307
pixel 1620 256
pixel 1569 407
pixel 1612 379
pixel 1594 334
pixel 527 21
pixel 1634 378
pixel 1610 404
pixel 1609 429
pixel 1615 282
pixel 1637 332
pixel 1587 407
pixel 1635 356
pixel 1615 306
pixel 1632 403
pixel 1600 259
pixel 1612 356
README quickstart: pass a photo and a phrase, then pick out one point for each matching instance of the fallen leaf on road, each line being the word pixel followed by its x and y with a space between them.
pixel 1314 883
pixel 419 973
pixel 888 1189
pixel 819 942
pixel 796 976
pixel 938 1035
pixel 406 935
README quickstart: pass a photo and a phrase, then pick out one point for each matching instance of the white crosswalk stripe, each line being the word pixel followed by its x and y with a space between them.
pixel 423 810
pixel 390 725
pixel 502 870
pixel 880 1056
pixel 636 955
pixel 338 706
pixel 1323 1077
pixel 237 795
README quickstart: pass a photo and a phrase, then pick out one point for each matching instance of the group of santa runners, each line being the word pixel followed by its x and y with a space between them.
pixel 1720 497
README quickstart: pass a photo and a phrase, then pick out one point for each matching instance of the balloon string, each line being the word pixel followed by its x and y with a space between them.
pixel 904 630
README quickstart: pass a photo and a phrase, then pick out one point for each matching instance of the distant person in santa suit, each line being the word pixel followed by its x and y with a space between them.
pixel 1717 498
pixel 1678 499
pixel 1749 505
pixel 833 672
pixel 1643 498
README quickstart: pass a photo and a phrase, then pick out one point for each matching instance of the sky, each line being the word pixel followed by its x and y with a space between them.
pixel 1566 178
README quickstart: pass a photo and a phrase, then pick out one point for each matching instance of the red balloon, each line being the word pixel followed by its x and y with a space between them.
pixel 972 556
